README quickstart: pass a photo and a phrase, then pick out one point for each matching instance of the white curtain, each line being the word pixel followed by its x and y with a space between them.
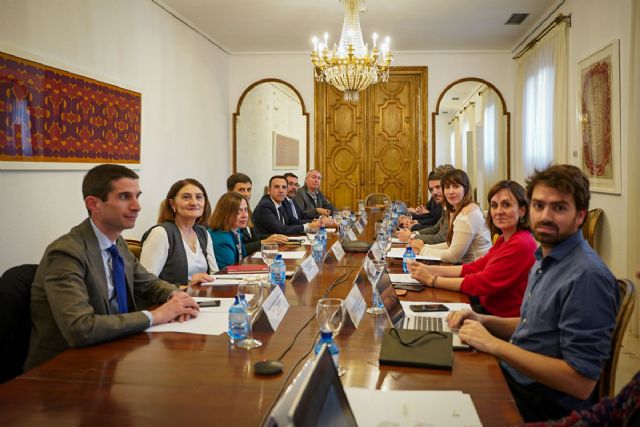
pixel 493 139
pixel 541 91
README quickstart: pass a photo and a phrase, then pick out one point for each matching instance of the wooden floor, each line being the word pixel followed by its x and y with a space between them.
pixel 629 362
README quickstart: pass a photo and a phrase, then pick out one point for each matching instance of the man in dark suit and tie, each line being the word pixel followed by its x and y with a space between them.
pixel 270 215
pixel 89 288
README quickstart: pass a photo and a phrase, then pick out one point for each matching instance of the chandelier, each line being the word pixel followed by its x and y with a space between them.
pixel 350 66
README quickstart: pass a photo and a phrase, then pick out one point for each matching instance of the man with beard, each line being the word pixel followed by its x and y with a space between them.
pixel 552 355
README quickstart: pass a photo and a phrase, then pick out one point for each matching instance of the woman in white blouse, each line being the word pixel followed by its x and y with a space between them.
pixel 179 249
pixel 468 237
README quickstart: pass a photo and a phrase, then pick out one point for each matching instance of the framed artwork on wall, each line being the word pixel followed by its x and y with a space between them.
pixel 599 118
pixel 286 152
pixel 55 119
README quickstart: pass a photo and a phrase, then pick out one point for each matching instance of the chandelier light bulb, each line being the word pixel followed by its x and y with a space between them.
pixel 314 40
pixel 350 66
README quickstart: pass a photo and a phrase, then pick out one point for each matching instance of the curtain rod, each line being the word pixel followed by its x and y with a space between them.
pixel 557 21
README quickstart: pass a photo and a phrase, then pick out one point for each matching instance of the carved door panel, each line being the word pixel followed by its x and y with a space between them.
pixel 376 145
pixel 341 156
pixel 395 156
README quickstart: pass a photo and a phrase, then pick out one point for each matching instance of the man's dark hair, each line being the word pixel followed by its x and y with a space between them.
pixel 97 182
pixel 276 177
pixel 439 172
pixel 289 174
pixel 567 179
pixel 237 178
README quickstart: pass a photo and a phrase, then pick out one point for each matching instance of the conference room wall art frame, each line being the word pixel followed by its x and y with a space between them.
pixel 55 119
pixel 599 118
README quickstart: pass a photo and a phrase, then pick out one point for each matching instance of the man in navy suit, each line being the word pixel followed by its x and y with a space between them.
pixel 270 215
pixel 290 205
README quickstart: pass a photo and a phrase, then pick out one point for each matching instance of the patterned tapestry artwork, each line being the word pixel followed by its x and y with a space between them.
pixel 51 115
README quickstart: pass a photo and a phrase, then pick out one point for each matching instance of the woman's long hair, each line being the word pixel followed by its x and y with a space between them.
pixel 166 211
pixel 460 177
pixel 518 192
pixel 226 211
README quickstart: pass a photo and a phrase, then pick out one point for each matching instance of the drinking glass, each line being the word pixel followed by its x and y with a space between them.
pixel 252 291
pixel 269 252
pixel 376 302
pixel 330 314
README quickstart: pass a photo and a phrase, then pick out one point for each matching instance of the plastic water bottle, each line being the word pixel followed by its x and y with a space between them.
pixel 322 234
pixel 327 338
pixel 408 258
pixel 318 251
pixel 345 225
pixel 278 271
pixel 238 322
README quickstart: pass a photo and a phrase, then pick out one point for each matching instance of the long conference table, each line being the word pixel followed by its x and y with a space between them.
pixel 186 379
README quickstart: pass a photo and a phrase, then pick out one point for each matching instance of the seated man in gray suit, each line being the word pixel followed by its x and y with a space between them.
pixel 311 199
pixel 88 286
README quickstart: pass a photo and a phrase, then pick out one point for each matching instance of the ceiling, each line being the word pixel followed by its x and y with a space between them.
pixel 243 26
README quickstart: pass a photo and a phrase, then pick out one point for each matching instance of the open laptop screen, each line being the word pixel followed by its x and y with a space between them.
pixel 390 299
pixel 322 401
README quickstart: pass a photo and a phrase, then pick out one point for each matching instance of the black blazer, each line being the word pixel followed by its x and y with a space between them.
pixel 267 222
pixel 301 215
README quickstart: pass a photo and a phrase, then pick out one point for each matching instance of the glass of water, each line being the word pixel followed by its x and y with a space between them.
pixel 269 252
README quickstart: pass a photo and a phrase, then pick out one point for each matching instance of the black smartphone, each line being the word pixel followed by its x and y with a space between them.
pixel 213 303
pixel 422 308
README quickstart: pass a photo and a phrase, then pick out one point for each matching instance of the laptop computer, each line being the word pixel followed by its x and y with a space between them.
pixel 399 318
pixel 321 401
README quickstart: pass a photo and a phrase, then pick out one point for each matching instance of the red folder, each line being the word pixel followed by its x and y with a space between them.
pixel 248 268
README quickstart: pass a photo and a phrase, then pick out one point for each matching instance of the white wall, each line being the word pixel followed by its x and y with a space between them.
pixel 443 68
pixel 593 25
pixel 183 79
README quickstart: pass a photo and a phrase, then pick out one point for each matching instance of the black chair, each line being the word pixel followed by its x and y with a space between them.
pixel 15 319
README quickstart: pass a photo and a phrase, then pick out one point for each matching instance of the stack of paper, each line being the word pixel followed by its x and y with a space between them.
pixel 399 253
pixel 448 408
pixel 210 320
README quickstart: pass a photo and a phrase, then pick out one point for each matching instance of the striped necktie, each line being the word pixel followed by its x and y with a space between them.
pixel 119 280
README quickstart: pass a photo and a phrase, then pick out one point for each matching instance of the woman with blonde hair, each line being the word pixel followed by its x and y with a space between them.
pixel 468 237
pixel 178 249
pixel 230 215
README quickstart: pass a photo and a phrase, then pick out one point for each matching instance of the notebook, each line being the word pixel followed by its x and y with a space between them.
pixel 399 318
pixel 420 349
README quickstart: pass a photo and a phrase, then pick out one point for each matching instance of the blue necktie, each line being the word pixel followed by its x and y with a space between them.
pixel 119 281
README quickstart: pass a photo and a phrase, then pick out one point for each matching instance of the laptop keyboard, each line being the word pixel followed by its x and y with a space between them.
pixel 425 323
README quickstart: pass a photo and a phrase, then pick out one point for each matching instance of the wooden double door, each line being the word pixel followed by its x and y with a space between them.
pixel 378 145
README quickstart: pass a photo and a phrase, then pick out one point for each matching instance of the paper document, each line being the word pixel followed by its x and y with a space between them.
pixel 223 282
pixel 399 253
pixel 373 408
pixel 402 278
pixel 285 254
pixel 210 320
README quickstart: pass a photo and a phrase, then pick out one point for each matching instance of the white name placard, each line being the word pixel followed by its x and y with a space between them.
pixel 351 235
pixel 275 307
pixel 310 268
pixel 338 251
pixel 359 227
pixel 356 305
pixel 376 251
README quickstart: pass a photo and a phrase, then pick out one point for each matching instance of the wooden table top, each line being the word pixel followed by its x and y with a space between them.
pixel 174 379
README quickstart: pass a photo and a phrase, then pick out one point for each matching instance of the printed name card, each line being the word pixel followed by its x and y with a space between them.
pixel 310 268
pixel 273 308
pixel 355 305
pixel 359 227
pixel 363 218
pixel 372 272
pixel 376 251
pixel 351 235
pixel 338 251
